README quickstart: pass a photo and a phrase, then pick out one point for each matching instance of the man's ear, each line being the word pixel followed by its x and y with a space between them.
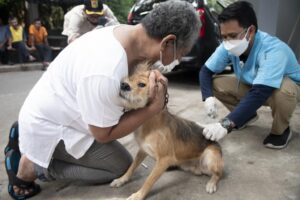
pixel 169 39
pixel 252 31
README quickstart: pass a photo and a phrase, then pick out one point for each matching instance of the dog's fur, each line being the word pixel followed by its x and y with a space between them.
pixel 169 139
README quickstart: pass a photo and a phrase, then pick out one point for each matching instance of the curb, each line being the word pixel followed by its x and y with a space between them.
pixel 21 67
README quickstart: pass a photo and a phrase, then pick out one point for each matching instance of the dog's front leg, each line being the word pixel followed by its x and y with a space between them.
pixel 159 168
pixel 141 155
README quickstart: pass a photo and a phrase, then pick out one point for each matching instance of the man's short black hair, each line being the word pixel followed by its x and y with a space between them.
pixel 37 19
pixel 241 11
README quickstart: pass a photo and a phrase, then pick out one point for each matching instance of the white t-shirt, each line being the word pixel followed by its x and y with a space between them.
pixel 80 87
pixel 76 23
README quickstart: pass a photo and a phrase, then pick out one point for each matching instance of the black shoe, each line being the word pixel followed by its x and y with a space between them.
pixel 278 141
pixel 13 138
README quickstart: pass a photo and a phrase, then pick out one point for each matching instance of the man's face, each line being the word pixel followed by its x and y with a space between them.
pixel 93 19
pixel 14 23
pixel 37 24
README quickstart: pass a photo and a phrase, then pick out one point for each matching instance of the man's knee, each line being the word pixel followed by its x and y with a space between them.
pixel 117 158
pixel 224 83
pixel 123 164
pixel 286 95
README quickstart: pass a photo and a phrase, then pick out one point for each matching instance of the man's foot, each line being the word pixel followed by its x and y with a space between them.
pixel 21 174
pixel 45 66
pixel 31 58
pixel 278 141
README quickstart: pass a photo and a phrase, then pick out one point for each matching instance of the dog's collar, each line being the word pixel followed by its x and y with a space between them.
pixel 166 100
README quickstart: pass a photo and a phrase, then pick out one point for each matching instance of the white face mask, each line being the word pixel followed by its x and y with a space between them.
pixel 166 68
pixel 237 47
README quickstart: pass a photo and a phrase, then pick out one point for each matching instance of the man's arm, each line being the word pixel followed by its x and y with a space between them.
pixel 205 77
pixel 112 20
pixel 45 33
pixel 131 120
pixel 248 106
pixel 31 36
pixel 9 36
pixel 72 23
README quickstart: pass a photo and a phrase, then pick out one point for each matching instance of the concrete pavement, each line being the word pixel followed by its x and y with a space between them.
pixel 252 172
pixel 21 67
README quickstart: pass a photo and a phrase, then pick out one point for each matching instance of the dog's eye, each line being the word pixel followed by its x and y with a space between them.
pixel 141 85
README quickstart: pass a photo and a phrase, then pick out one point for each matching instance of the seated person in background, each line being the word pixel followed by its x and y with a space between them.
pixel 39 41
pixel 84 18
pixel 17 40
pixel 3 39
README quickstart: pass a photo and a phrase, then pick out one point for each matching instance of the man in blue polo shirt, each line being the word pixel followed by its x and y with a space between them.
pixel 266 72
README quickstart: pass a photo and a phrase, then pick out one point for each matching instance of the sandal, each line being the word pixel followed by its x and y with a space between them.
pixel 12 159
pixel 13 139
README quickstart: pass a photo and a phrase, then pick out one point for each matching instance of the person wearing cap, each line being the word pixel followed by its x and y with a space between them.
pixel 71 132
pixel 86 17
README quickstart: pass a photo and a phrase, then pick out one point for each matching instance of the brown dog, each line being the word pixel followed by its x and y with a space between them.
pixel 170 140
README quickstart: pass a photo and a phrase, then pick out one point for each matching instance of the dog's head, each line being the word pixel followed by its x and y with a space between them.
pixel 134 90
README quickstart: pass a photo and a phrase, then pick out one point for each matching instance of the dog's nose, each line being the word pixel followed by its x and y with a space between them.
pixel 125 86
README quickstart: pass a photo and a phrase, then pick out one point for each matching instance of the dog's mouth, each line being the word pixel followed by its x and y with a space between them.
pixel 124 96
pixel 130 101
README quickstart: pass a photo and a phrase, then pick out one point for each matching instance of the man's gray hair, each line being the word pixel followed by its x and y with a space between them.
pixel 174 17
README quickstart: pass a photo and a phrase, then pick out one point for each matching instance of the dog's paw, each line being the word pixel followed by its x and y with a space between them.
pixel 118 182
pixel 211 187
pixel 135 196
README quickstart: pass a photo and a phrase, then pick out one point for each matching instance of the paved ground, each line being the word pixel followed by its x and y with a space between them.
pixel 252 172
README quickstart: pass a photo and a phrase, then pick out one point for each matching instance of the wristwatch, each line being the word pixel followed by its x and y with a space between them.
pixel 227 124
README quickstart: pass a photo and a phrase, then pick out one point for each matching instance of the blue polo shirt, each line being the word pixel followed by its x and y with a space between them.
pixel 269 61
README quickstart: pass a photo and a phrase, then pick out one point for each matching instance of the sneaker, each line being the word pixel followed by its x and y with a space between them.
pixel 31 58
pixel 249 122
pixel 278 141
pixel 45 66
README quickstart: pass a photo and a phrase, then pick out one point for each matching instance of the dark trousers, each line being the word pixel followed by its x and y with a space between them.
pixel 101 164
pixel 22 51
pixel 3 56
pixel 45 52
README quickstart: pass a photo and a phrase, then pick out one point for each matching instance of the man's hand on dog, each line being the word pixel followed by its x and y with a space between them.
pixel 158 90
pixel 214 131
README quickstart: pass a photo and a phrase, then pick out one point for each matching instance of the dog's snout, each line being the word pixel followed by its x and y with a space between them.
pixel 125 86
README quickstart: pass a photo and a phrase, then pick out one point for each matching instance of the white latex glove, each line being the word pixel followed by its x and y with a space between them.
pixel 211 107
pixel 214 131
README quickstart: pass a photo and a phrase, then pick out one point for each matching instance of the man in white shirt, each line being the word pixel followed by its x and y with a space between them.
pixel 70 122
pixel 86 17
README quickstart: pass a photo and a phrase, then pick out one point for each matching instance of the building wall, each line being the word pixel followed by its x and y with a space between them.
pixel 280 18
pixel 288 26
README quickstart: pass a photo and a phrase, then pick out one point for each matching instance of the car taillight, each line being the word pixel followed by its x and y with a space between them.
pixel 202 19
pixel 129 18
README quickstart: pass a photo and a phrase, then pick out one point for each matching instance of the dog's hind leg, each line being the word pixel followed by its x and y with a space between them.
pixel 141 155
pixel 212 164
pixel 159 168
pixel 192 166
